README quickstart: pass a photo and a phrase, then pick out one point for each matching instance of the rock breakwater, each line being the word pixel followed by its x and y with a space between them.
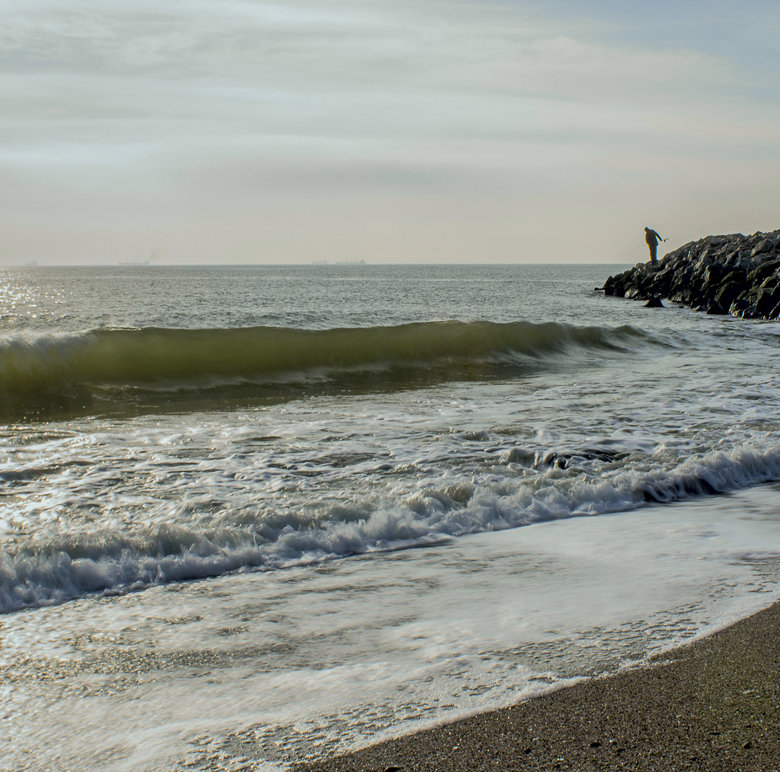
pixel 733 274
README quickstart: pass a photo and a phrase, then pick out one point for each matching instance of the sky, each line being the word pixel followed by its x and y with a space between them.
pixel 495 131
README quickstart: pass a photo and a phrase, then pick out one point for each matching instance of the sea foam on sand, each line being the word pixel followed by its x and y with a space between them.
pixel 302 663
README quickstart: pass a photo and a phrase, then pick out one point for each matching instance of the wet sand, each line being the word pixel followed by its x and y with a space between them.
pixel 711 705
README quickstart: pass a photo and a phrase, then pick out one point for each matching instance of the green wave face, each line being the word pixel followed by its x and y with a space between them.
pixel 114 370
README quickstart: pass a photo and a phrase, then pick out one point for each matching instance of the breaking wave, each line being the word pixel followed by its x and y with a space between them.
pixel 58 569
pixel 105 368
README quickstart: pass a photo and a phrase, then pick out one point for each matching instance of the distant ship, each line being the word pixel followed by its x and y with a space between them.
pixel 153 255
pixel 339 262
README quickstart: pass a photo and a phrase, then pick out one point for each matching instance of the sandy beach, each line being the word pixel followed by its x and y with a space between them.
pixel 710 705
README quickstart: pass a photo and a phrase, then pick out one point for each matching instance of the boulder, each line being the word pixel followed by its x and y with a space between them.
pixel 767 297
pixel 727 293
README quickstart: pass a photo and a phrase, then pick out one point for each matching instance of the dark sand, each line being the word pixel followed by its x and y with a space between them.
pixel 711 705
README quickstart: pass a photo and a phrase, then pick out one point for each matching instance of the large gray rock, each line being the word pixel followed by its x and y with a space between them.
pixel 735 274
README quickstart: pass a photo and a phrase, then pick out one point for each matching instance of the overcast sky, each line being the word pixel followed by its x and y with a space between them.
pixel 238 131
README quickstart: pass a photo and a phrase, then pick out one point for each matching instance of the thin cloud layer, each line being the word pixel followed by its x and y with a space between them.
pixel 284 132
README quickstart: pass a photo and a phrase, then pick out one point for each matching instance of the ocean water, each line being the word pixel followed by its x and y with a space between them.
pixel 253 515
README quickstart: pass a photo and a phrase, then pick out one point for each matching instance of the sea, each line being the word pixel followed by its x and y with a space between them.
pixel 256 515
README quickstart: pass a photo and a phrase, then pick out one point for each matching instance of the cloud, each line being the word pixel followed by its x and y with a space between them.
pixel 372 108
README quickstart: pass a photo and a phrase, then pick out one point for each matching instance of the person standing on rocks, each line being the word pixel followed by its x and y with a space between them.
pixel 652 238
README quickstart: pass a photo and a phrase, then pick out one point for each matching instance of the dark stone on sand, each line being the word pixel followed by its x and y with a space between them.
pixel 734 274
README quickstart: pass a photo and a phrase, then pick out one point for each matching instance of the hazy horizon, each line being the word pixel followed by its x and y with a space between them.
pixel 311 263
pixel 389 132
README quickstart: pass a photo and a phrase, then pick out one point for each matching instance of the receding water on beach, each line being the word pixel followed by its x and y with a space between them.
pixel 270 513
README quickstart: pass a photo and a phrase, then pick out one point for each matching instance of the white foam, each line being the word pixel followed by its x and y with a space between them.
pixel 324 658
pixel 103 561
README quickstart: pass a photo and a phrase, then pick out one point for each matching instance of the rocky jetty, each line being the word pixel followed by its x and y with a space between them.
pixel 735 274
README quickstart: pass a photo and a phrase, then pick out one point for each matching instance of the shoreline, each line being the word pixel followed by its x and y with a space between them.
pixel 712 704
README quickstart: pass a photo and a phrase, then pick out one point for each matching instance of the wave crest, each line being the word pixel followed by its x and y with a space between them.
pixel 110 562
pixel 115 366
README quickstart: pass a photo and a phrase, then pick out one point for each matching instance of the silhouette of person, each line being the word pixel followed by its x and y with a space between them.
pixel 651 239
